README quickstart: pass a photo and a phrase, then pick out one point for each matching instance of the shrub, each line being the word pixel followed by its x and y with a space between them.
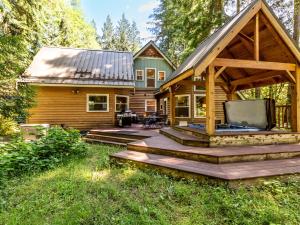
pixel 56 147
pixel 8 127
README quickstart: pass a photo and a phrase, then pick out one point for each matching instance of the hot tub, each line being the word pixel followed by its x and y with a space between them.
pixel 227 128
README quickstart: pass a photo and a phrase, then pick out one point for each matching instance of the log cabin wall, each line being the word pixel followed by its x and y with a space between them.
pixel 189 90
pixel 62 106
pixel 137 101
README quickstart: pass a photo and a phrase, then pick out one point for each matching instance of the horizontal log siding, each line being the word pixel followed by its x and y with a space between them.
pixel 137 100
pixel 220 98
pixel 59 105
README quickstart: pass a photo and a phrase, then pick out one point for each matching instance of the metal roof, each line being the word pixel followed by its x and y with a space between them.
pixel 207 46
pixel 80 66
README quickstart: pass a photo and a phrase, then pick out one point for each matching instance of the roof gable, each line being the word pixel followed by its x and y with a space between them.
pixel 152 50
pixel 212 46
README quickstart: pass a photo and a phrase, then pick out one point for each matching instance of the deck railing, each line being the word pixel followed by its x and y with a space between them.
pixel 283 116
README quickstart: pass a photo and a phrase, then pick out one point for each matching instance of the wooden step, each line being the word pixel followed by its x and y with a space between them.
pixel 124 134
pixel 192 131
pixel 183 138
pixel 95 141
pixel 231 171
pixel 110 138
pixel 165 146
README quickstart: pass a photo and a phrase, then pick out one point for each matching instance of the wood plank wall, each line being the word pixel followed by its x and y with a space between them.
pixel 220 98
pixel 137 100
pixel 59 105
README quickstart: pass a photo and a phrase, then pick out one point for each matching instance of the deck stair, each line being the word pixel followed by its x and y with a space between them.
pixel 113 137
pixel 167 154
pixel 184 138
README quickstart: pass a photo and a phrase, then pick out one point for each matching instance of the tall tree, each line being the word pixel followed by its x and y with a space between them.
pixel 25 26
pixel 134 37
pixel 122 34
pixel 107 39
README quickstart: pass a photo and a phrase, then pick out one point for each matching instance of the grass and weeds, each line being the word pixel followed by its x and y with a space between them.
pixel 89 190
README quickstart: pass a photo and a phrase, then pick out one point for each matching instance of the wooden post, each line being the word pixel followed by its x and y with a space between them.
pixel 296 102
pixel 256 38
pixel 172 106
pixel 210 100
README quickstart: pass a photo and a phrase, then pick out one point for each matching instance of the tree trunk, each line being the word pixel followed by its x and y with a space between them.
pixel 238 6
pixel 296 35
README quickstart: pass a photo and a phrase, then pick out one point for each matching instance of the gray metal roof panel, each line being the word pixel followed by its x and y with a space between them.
pixel 68 63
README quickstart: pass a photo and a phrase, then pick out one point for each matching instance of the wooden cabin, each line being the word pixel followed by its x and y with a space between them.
pixel 86 88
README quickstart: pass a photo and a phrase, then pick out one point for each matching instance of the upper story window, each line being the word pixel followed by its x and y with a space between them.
pixel 161 75
pixel 97 103
pixel 139 75
pixel 150 77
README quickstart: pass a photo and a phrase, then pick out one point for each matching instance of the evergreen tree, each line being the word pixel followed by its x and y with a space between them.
pixel 122 31
pixel 107 39
pixel 25 26
pixel 134 37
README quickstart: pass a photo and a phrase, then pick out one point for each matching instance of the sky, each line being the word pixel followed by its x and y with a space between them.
pixel 137 10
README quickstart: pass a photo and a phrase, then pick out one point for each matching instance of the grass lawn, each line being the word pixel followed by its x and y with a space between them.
pixel 90 191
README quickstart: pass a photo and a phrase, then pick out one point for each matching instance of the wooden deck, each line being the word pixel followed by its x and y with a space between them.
pixel 182 154
pixel 232 171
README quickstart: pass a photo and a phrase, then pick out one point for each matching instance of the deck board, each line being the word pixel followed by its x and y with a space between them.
pixel 231 171
pixel 165 143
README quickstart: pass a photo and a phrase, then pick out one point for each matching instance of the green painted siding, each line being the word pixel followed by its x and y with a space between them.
pixel 158 63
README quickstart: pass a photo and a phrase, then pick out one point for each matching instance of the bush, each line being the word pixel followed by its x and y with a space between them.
pixel 8 127
pixel 57 146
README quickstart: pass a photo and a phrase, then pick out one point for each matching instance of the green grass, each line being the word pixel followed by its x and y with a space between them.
pixel 91 191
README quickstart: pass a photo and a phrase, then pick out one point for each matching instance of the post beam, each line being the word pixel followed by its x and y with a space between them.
pixel 172 106
pixel 296 102
pixel 210 100
pixel 256 38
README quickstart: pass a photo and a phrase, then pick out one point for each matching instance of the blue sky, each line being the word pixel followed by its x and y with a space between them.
pixel 137 10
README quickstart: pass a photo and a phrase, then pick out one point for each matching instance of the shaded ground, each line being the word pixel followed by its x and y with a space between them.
pixel 91 191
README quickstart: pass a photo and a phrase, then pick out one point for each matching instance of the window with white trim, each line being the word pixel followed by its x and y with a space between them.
pixel 98 103
pixel 161 75
pixel 139 75
pixel 182 106
pixel 150 77
pixel 199 105
pixel 122 103
pixel 150 105
pixel 199 87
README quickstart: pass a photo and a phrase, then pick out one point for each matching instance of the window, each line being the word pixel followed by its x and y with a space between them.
pixel 182 106
pixel 150 74
pixel 122 103
pixel 161 75
pixel 97 103
pixel 199 105
pixel 150 105
pixel 139 75
pixel 199 87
